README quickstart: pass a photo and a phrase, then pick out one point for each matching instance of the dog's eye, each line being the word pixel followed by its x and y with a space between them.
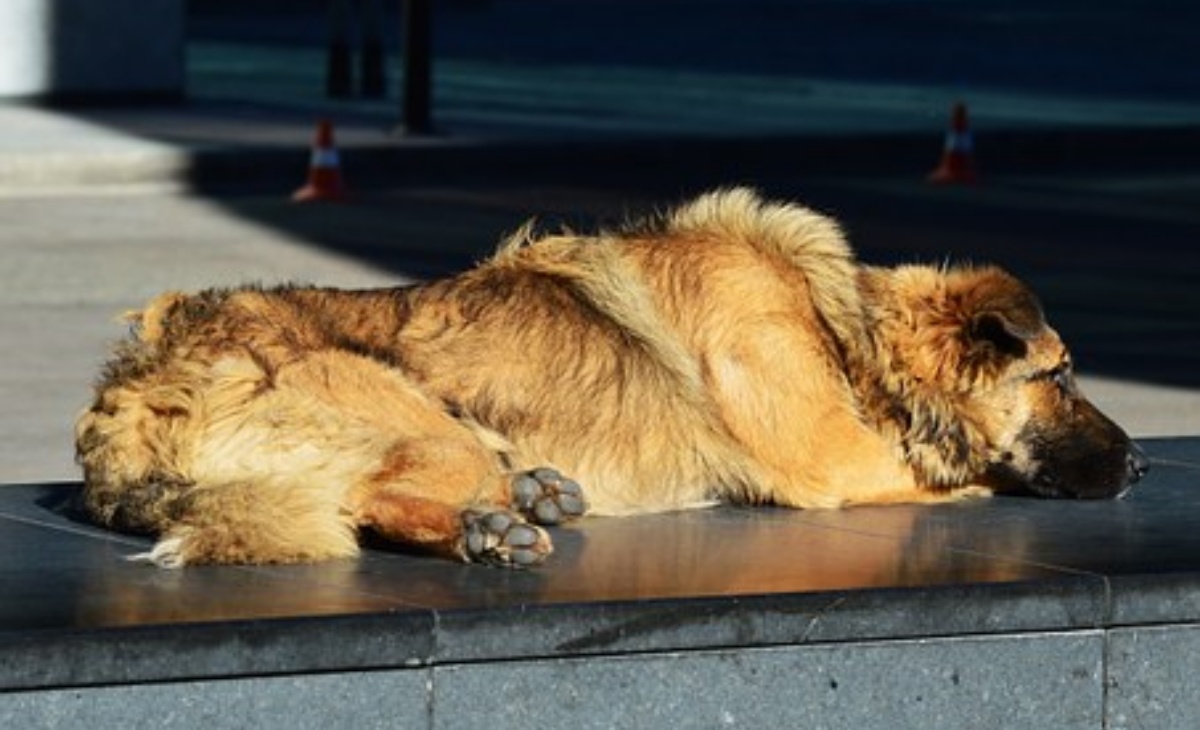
pixel 1061 377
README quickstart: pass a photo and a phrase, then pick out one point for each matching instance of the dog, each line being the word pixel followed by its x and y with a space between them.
pixel 732 349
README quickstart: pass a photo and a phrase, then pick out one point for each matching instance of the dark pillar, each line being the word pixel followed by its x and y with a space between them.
pixel 372 77
pixel 339 76
pixel 418 67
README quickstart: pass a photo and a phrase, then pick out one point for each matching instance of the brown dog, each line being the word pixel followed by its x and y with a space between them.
pixel 732 350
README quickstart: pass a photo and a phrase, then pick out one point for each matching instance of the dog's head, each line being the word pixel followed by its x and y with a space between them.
pixel 999 385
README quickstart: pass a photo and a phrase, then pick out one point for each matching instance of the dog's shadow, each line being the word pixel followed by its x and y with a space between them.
pixel 63 501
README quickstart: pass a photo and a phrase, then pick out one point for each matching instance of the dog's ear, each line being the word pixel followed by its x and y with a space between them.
pixel 1001 313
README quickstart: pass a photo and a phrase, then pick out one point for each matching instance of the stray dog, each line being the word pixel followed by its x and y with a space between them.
pixel 732 349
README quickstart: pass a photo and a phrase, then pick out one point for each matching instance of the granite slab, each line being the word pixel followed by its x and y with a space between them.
pixel 76 613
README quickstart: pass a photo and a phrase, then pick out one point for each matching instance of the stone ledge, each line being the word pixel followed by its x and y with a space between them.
pixel 1061 680
pixel 729 579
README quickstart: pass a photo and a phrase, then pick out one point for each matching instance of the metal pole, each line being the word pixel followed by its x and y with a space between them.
pixel 418 67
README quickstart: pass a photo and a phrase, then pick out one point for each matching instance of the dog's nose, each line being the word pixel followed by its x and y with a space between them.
pixel 1137 462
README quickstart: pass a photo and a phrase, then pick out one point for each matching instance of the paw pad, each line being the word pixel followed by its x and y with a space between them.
pixel 546 497
pixel 503 538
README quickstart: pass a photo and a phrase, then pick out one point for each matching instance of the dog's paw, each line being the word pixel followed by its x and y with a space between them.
pixel 503 538
pixel 546 497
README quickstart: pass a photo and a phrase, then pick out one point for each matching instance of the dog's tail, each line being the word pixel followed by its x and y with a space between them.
pixel 254 523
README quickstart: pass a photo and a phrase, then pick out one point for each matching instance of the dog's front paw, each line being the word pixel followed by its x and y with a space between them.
pixel 546 497
pixel 504 539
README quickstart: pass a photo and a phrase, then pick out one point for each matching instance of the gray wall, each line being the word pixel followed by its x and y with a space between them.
pixel 91 49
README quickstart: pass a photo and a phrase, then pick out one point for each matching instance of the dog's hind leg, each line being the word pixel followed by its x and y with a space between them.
pixel 356 445
pixel 483 535
pixel 450 496
pixel 229 463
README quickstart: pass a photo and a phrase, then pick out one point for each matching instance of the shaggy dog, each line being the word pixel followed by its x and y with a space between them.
pixel 733 349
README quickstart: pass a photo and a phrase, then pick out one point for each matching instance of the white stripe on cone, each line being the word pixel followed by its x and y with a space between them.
pixel 325 157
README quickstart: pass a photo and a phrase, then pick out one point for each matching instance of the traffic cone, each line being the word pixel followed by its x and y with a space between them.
pixel 957 165
pixel 324 171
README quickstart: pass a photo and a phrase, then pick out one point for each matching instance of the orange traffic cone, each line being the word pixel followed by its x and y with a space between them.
pixel 324 171
pixel 958 155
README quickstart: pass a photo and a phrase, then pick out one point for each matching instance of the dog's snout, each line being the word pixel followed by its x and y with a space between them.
pixel 1137 463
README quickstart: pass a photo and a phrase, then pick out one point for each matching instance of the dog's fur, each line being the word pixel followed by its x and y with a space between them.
pixel 730 350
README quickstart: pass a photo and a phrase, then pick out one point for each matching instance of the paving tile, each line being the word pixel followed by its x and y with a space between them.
pixel 77 612
pixel 606 628
pixel 1050 681
pixel 1180 451
pixel 396 699
pixel 189 650
pixel 1156 530
pixel 63 579
pixel 1152 673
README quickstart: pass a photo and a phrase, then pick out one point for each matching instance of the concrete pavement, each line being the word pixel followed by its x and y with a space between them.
pixel 829 76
